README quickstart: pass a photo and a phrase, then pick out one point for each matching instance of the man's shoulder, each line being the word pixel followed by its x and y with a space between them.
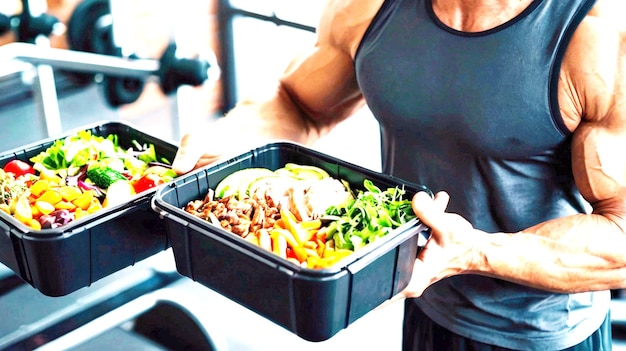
pixel 591 64
pixel 610 13
pixel 344 22
pixel 595 59
pixel 600 34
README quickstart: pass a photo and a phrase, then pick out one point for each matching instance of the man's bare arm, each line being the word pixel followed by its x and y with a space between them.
pixel 317 91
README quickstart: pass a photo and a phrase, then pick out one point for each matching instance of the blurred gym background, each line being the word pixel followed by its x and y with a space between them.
pixel 46 89
pixel 250 41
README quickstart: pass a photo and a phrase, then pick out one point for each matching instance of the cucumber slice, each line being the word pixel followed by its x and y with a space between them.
pixel 306 171
pixel 233 182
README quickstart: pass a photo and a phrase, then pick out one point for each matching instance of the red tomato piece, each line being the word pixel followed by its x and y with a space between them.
pixel 147 181
pixel 18 168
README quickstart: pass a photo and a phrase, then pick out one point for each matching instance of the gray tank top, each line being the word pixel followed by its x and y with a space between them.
pixel 476 115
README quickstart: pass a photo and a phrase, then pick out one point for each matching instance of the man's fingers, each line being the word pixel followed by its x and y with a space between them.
pixel 191 155
pixel 187 155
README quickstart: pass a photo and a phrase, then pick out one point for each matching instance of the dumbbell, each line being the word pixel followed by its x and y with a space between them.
pixel 90 29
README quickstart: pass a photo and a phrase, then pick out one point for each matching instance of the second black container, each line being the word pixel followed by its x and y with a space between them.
pixel 62 260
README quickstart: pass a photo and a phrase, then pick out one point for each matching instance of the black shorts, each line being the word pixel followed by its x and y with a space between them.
pixel 420 333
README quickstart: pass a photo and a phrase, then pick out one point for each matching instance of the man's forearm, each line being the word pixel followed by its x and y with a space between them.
pixel 572 254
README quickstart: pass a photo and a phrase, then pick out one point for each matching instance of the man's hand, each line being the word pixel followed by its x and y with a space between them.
pixel 193 153
pixel 225 138
pixel 450 249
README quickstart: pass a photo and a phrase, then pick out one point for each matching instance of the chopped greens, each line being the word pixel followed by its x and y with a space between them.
pixel 67 156
pixel 372 214
pixel 77 150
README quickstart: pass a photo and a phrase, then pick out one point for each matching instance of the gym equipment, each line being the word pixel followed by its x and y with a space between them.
pixel 93 57
pixel 90 29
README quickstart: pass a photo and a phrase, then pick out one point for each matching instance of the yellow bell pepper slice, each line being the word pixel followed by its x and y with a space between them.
pixel 279 244
pixel 69 193
pixel 39 187
pixel 51 197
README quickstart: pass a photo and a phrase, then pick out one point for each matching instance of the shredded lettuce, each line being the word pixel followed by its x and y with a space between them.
pixel 78 150
pixel 371 215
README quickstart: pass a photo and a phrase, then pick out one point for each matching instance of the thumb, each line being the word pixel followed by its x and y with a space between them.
pixel 188 156
pixel 427 208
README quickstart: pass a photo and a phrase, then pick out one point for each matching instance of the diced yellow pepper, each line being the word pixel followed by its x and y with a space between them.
pixel 84 200
pixel 64 205
pixel 51 196
pixel 69 193
pixel 80 213
pixel 50 176
pixel 94 206
pixel 33 223
pixel 39 187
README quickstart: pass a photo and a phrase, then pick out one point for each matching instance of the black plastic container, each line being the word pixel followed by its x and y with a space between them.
pixel 62 260
pixel 314 304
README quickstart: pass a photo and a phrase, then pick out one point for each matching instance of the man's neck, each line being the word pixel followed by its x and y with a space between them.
pixel 477 15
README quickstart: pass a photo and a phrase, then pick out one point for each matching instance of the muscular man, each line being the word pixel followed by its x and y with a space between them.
pixel 514 111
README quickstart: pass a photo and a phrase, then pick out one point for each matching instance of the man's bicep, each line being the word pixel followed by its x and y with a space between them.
pixel 599 153
pixel 599 141
pixel 599 162
pixel 323 84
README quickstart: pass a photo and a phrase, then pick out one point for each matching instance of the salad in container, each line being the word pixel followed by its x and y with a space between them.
pixel 76 176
